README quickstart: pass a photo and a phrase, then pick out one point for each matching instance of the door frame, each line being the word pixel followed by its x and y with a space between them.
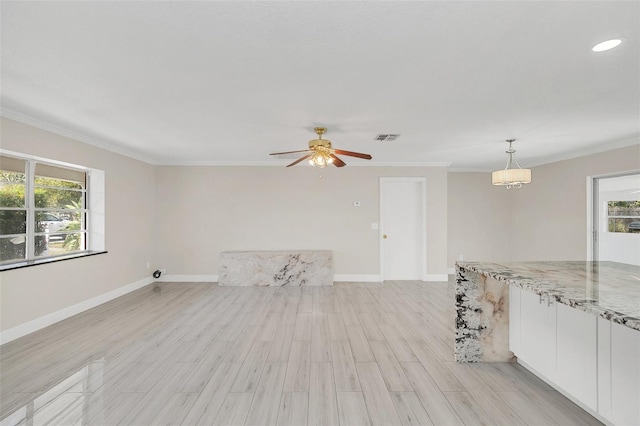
pixel 592 210
pixel 423 220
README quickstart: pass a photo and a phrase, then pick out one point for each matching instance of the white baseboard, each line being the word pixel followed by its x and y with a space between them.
pixel 188 279
pixel 375 278
pixel 451 271
pixel 436 277
pixel 214 278
pixel 34 325
pixel 367 278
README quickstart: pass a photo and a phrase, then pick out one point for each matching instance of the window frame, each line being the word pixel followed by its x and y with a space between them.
pixel 86 212
pixel 635 218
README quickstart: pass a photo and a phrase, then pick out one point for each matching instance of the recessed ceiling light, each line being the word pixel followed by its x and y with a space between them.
pixel 606 45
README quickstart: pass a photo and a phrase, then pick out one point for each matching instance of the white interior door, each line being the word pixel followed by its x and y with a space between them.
pixel 402 230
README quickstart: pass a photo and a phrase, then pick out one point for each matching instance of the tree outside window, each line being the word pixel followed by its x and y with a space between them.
pixel 57 214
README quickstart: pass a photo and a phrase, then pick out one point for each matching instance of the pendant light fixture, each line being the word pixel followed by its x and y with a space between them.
pixel 513 175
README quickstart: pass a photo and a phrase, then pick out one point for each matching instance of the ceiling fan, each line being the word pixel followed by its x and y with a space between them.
pixel 321 154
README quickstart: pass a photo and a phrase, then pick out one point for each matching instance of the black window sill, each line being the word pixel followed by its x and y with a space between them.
pixel 44 261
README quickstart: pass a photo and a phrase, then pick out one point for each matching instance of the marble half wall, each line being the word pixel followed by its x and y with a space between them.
pixel 482 318
pixel 276 268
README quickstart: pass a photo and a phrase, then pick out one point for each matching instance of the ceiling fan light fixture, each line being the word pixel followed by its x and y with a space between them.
pixel 320 159
pixel 511 177
pixel 321 154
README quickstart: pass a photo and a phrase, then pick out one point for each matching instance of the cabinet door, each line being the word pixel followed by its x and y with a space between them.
pixel 514 319
pixel 625 375
pixel 604 368
pixel 577 354
pixel 538 334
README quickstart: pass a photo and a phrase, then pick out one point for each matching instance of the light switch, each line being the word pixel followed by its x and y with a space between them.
pixel 374 226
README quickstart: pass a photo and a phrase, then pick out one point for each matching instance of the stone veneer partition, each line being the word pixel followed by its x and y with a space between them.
pixel 276 268
pixel 482 318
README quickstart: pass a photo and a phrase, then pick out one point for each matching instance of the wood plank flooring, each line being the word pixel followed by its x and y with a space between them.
pixel 196 353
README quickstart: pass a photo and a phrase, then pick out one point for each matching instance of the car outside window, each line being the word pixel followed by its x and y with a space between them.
pixel 624 216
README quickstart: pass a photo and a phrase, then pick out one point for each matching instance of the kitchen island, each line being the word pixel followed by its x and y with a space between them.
pixel 574 324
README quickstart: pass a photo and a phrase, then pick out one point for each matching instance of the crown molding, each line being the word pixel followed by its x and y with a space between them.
pixel 284 163
pixel 604 147
pixel 607 146
pixel 470 170
pixel 61 131
pixel 403 164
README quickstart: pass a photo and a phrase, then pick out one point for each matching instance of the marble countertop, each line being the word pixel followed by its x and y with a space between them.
pixel 608 289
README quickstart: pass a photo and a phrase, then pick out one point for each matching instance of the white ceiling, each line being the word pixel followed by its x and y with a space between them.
pixel 230 82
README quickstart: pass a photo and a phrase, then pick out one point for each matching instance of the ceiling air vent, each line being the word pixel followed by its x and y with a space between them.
pixel 387 138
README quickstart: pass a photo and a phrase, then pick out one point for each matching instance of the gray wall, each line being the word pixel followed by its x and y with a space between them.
pixel 180 218
pixel 545 220
pixel 549 217
pixel 205 210
pixel 30 293
pixel 478 218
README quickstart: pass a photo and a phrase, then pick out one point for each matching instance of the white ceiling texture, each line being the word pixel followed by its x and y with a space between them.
pixel 230 82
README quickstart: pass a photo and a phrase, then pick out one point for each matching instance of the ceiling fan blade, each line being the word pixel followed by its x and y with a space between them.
pixel 299 160
pixel 289 152
pixel 353 154
pixel 337 162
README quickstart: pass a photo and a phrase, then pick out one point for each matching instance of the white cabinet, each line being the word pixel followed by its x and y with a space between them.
pixel 537 346
pixel 618 373
pixel 593 360
pixel 577 354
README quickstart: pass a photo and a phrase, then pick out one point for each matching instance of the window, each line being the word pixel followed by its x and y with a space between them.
pixel 624 216
pixel 43 210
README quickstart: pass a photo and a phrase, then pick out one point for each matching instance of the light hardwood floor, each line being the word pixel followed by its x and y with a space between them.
pixel 196 353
